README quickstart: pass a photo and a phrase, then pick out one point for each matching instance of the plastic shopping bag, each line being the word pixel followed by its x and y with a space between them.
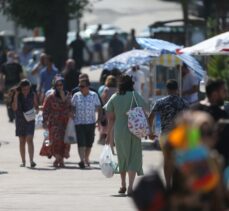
pixel 107 163
pixel 70 133
pixel 39 120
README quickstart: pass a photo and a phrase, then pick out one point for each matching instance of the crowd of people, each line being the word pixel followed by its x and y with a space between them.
pixel 186 124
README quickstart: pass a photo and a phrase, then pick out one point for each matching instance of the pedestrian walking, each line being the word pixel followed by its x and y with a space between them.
pixel 78 46
pixel 57 110
pixel 25 100
pixel 86 103
pixel 11 73
pixel 168 108
pixel 128 146
pixel 71 75
pixel 138 77
pixel 109 89
pixel 47 75
pixel 216 94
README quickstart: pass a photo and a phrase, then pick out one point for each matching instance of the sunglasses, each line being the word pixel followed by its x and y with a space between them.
pixel 82 86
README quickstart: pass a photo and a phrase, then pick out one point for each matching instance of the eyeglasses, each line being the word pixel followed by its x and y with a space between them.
pixel 82 86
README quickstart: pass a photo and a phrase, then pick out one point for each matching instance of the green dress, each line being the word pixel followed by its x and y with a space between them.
pixel 128 146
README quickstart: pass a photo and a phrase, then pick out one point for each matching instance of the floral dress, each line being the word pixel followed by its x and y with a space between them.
pixel 56 115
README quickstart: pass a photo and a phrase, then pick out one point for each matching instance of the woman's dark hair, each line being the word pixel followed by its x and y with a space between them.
pixel 57 93
pixel 213 84
pixel 23 83
pixel 125 84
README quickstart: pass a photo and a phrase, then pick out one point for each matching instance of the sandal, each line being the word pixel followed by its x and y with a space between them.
pixel 55 164
pixel 122 190
pixel 32 164
pixel 81 165
pixel 61 164
pixel 22 165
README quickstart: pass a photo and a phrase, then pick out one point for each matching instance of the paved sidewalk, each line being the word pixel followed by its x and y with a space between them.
pixel 48 189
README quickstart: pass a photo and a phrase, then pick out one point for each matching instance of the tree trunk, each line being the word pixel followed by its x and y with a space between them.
pixel 184 4
pixel 56 33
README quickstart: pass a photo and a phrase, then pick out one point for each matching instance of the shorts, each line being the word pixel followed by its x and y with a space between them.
pixel 85 135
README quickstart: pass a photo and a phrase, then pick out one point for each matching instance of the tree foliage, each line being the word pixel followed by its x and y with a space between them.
pixel 30 13
pixel 218 67
pixel 51 15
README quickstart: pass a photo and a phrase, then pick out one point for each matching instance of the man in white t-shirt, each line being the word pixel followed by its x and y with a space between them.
pixel 190 85
pixel 138 78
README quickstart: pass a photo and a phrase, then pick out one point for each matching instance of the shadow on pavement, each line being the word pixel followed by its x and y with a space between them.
pixel 78 168
pixel 42 169
pixel 3 172
pixel 119 195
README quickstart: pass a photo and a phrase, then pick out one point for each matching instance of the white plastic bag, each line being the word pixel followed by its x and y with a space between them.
pixel 107 163
pixel 39 120
pixel 70 133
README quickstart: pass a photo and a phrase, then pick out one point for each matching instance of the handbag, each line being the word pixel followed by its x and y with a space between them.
pixel 30 115
pixel 46 146
pixel 137 121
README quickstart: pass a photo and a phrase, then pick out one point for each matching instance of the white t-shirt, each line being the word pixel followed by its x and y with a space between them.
pixel 139 78
pixel 188 81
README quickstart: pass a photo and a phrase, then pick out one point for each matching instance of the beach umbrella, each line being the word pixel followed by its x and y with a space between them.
pixel 216 45
pixel 130 58
pixel 165 47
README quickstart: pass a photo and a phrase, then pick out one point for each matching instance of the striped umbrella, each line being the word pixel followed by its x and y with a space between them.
pixel 165 47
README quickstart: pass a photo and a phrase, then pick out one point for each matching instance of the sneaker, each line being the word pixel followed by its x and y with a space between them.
pixel 32 164
pixel 81 165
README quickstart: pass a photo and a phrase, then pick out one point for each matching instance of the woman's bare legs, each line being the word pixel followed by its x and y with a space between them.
pixel 131 175
pixel 123 179
pixel 29 140
pixel 22 142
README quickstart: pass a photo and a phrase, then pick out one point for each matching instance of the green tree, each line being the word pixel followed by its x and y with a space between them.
pixel 51 15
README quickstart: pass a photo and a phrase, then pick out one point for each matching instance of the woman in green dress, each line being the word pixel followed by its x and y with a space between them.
pixel 128 146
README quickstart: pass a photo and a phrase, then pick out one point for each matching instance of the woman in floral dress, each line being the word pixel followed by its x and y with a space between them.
pixel 56 112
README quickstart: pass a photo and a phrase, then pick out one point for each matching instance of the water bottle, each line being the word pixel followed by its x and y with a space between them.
pixel 157 126
pixel 46 134
pixel 46 138
pixel 202 86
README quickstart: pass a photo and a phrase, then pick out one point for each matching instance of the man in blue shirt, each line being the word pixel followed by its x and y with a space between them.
pixel 47 75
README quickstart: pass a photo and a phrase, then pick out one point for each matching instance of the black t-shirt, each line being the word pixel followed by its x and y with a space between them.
pixel 78 47
pixel 71 79
pixel 215 111
pixel 12 72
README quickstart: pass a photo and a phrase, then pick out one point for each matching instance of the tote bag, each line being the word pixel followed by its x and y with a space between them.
pixel 30 115
pixel 137 121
